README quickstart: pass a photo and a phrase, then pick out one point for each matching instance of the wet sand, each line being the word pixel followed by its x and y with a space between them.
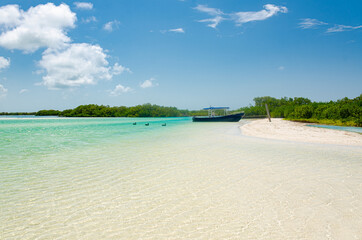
pixel 293 131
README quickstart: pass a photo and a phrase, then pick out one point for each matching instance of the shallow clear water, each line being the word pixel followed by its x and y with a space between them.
pixel 27 136
pixel 349 129
pixel 108 179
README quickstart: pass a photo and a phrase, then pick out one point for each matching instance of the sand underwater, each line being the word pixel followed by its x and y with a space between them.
pixel 100 178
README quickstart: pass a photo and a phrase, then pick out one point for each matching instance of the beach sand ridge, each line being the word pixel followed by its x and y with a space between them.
pixel 280 129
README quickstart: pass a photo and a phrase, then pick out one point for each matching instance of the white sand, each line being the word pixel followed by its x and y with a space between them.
pixel 192 181
pixel 299 132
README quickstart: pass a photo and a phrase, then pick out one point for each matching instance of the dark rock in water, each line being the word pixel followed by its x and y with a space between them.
pixel 163 124
pixel 147 124
pixel 134 123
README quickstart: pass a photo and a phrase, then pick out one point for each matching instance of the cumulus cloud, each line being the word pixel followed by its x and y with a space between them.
pixel 119 69
pixel 119 89
pixel 3 91
pixel 342 28
pixel 63 64
pixel 83 5
pixel 310 23
pixel 109 26
pixel 10 16
pixel 4 63
pixel 23 91
pixel 77 65
pixel 177 30
pixel 149 83
pixel 89 19
pixel 44 25
pixel 268 11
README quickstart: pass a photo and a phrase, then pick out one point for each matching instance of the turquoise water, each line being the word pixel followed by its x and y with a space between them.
pixel 105 178
pixel 349 129
pixel 26 135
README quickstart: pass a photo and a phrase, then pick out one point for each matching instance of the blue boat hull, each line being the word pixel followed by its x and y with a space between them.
pixel 227 118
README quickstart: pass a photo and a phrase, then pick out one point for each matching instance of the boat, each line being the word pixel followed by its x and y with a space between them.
pixel 223 118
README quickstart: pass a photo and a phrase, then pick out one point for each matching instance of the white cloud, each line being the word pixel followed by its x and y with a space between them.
pixel 210 11
pixel 23 91
pixel 109 26
pixel 89 19
pixel 149 83
pixel 119 69
pixel 10 16
pixel 268 11
pixel 310 23
pixel 76 65
pixel 3 91
pixel 4 63
pixel 216 13
pixel 281 68
pixel 239 17
pixel 177 30
pixel 40 26
pixel 342 28
pixel 84 5
pixel 213 21
pixel 119 89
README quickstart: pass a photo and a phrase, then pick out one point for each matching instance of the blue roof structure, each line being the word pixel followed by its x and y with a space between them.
pixel 215 108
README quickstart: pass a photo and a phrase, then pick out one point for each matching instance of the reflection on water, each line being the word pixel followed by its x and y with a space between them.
pixel 186 181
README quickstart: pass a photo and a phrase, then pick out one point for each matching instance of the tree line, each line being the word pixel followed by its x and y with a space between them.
pixel 344 112
pixel 144 110
pixel 17 113
pixel 93 110
pixel 347 112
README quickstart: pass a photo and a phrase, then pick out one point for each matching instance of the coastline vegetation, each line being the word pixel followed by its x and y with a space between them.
pixel 343 112
pixel 93 110
pixel 17 113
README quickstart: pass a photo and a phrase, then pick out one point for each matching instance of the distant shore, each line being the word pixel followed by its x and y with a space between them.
pixel 294 131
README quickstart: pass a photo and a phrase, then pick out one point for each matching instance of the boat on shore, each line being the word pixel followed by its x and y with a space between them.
pixel 223 118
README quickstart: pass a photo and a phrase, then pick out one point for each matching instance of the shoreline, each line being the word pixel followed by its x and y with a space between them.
pixel 279 129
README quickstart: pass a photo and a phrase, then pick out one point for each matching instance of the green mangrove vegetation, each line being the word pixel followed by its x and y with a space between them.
pixel 17 113
pixel 343 112
pixel 93 110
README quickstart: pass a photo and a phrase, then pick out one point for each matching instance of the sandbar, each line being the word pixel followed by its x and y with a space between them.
pixel 280 129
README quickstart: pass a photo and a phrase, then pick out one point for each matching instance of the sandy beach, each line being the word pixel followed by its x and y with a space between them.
pixel 293 131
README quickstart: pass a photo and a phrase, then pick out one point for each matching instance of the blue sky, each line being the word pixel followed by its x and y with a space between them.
pixel 189 54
